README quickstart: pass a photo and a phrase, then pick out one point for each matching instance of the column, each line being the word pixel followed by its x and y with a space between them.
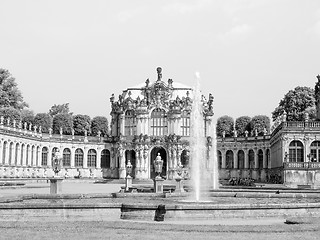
pixel 72 157
pixel 122 121
pixel 98 163
pixel 49 159
pixel 1 152
pixel 85 157
pixel 39 161
pixel 13 155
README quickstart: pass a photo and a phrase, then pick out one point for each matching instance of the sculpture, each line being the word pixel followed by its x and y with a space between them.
pixel 158 163
pixel 57 162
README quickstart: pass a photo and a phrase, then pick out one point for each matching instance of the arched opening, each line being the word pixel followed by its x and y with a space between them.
pixel 10 153
pixel 315 151
pixel 184 159
pixel 44 156
pixel 32 156
pixel 251 159
pixel 154 154
pixel 296 151
pixel 66 157
pixel 16 154
pixel 4 149
pixel 260 159
pixel 131 155
pixel 185 123
pixel 268 158
pixel 229 159
pixel 105 158
pixel 241 159
pixel 78 158
pixel 219 159
pixel 92 158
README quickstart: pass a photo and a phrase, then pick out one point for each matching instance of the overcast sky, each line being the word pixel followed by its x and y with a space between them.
pixel 249 53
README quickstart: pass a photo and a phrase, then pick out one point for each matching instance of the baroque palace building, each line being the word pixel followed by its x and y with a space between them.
pixel 152 118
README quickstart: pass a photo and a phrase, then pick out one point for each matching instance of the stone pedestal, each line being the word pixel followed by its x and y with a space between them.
pixel 179 185
pixel 128 183
pixel 56 185
pixel 158 184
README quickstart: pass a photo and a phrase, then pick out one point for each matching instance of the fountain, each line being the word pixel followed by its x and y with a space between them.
pixel 202 148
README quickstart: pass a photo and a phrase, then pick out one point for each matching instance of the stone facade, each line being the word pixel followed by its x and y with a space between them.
pixel 153 118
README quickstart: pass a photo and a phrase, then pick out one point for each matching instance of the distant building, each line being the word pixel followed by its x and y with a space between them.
pixel 153 118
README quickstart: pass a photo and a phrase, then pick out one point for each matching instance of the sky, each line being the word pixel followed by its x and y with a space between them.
pixel 249 53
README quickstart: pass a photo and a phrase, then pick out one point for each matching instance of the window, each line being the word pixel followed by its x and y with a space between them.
pixel 66 157
pixel 185 123
pixel 219 160
pixel 4 149
pixel 16 154
pixel 229 159
pixel 240 159
pixel 44 155
pixel 22 151
pixel 32 155
pixel 92 158
pixel 129 123
pixel 105 158
pixel 315 151
pixel 251 159
pixel 10 153
pixel 78 158
pixel 296 151
pixel 159 124
pixel 260 159
pixel 27 157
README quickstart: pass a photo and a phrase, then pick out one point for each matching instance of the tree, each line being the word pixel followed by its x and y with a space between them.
pixel 59 108
pixel 225 124
pixel 10 95
pixel 260 123
pixel 81 123
pixel 10 112
pixel 27 116
pixel 242 125
pixel 101 124
pixel 44 120
pixel 295 103
pixel 62 121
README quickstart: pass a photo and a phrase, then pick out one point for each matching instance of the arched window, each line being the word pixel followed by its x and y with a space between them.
pixel 4 149
pixel 78 158
pixel 16 154
pixel 219 154
pixel 184 159
pixel 315 151
pixel 185 123
pixel 260 159
pixel 251 159
pixel 10 153
pixel 27 155
pixel 37 155
pixel 44 155
pixel 32 156
pixel 240 159
pixel 229 159
pixel 159 123
pixel 268 158
pixel 22 156
pixel 66 157
pixel 105 158
pixel 296 151
pixel 92 158
pixel 129 123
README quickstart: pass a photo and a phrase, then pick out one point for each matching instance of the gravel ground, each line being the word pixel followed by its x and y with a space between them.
pixel 146 230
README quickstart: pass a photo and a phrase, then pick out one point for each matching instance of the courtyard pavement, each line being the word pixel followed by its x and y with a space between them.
pixel 68 187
